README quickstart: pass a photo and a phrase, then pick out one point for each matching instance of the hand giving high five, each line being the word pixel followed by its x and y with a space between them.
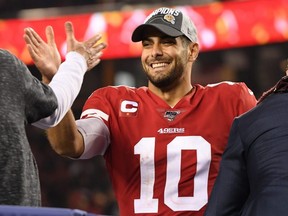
pixel 46 56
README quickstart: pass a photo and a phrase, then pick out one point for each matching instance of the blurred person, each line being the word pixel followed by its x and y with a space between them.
pixel 162 143
pixel 253 176
pixel 26 100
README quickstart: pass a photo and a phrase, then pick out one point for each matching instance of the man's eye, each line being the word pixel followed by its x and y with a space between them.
pixel 168 41
pixel 145 43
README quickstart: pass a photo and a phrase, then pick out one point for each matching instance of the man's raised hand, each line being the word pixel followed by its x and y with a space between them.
pixel 89 48
pixel 45 56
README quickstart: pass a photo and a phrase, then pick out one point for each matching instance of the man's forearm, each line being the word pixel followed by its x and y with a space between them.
pixel 65 138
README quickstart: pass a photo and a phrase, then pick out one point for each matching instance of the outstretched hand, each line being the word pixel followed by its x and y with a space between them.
pixel 89 49
pixel 46 56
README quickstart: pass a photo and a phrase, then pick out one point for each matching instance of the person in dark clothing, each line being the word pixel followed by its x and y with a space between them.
pixel 26 100
pixel 253 177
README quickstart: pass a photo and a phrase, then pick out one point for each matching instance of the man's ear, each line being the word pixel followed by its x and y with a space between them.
pixel 193 51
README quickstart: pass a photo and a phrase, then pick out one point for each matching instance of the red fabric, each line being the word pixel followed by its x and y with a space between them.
pixel 143 141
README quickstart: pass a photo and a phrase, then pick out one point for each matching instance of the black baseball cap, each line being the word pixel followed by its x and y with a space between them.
pixel 169 21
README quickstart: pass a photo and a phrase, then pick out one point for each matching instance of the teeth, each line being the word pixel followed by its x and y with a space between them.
pixel 158 65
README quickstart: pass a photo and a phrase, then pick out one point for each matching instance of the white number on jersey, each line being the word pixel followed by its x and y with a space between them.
pixel 146 149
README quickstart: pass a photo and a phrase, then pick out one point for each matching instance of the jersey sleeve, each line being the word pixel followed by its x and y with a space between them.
pixel 247 98
pixel 236 97
pixel 98 105
pixel 231 187
pixel 94 123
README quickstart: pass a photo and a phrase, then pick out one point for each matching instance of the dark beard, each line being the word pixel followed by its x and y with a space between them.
pixel 167 82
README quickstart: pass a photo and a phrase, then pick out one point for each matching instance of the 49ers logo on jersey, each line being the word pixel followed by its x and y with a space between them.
pixel 128 108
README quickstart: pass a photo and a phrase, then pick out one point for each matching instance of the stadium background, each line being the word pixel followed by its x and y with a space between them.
pixel 258 58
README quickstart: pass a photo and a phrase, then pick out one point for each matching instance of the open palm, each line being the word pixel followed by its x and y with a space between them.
pixel 46 56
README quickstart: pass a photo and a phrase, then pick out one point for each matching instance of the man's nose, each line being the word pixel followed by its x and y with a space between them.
pixel 156 50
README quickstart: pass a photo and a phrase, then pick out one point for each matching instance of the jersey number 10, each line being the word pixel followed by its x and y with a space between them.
pixel 146 149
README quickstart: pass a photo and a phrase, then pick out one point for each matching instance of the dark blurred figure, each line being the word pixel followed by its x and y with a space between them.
pixel 253 177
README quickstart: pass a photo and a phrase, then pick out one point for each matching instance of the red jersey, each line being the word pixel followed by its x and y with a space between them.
pixel 163 160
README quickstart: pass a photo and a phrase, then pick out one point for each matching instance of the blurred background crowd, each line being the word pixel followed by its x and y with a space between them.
pixel 85 184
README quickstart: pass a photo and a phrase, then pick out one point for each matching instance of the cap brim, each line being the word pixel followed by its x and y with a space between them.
pixel 140 32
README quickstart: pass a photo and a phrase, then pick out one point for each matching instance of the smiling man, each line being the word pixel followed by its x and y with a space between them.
pixel 163 143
